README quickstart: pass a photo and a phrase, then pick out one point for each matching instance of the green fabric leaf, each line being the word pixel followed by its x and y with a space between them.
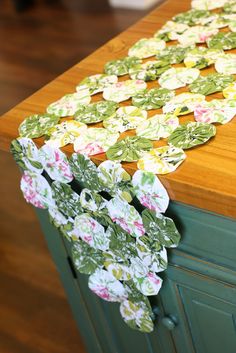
pixel 121 66
pixel 84 171
pixel 93 113
pixel 96 83
pixel 149 71
pixel 210 84
pixel 137 316
pixel 174 54
pixel 129 149
pixel 154 98
pixel 191 17
pixel 66 199
pixel 161 229
pixel 86 258
pixel 222 40
pixel 191 134
pixel 37 125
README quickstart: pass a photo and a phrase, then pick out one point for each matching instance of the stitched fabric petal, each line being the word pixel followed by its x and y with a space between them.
pixel 222 40
pixel 95 112
pixel 95 141
pixel 192 17
pixel 197 34
pixel 154 98
pixel 149 71
pixel 36 190
pixel 56 164
pixel 121 91
pixel 150 191
pixel 68 104
pixel 26 155
pixel 158 126
pixel 230 91
pixel 202 57
pixel 146 47
pixel 183 103
pixel 226 64
pixel 174 54
pixel 37 125
pixel 121 66
pixel 208 4
pixel 66 132
pixel 106 286
pixel 216 111
pixel 191 134
pixel 129 149
pixel 126 118
pixel 137 316
pixel 148 285
pixel 96 83
pixel 178 77
pixel 162 160
pixel 86 259
pixel 170 30
pixel 210 84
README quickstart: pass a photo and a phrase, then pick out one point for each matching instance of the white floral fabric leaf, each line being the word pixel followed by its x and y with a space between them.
pixel 126 118
pixel 120 271
pixel 226 64
pixel 201 57
pixel 121 91
pixel 56 164
pixel 36 190
pixel 92 201
pixel 148 285
pixel 137 315
pixel 90 231
pixel 106 286
pixel 150 191
pixel 178 77
pixel 158 126
pixel 171 30
pixel 216 111
pixel 162 160
pixel 197 34
pixel 230 91
pixel 126 216
pixel 95 141
pixel 146 47
pixel 68 104
pixel 26 154
pixel 59 219
pixel 96 83
pixel 65 133
pixel 183 103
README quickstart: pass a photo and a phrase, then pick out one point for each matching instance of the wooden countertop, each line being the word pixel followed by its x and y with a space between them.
pixel 207 178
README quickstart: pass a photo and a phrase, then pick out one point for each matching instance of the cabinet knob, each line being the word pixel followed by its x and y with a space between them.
pixel 168 322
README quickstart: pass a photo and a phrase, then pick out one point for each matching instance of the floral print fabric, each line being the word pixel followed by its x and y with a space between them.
pixel 178 77
pixel 216 111
pixel 158 126
pixel 37 125
pixel 96 83
pixel 146 47
pixel 183 103
pixel 122 91
pixel 154 98
pixel 26 155
pixel 121 67
pixel 67 105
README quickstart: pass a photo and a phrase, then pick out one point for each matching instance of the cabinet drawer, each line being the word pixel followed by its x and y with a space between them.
pixel 205 235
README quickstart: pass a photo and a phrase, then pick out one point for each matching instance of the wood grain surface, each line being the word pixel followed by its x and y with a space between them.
pixel 206 179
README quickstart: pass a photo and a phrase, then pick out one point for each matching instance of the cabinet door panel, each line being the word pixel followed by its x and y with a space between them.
pixel 205 309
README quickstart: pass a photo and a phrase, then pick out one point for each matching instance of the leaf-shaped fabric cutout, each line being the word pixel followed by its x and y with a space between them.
pixel 183 103
pixel 178 77
pixel 85 171
pixel 148 71
pixel 210 84
pixel 150 191
pixel 201 57
pixel 68 104
pixel 174 54
pixel 170 30
pixel 226 64
pixel 129 149
pixel 37 125
pixel 126 118
pixel 223 40
pixel 92 201
pixel 154 98
pixel 56 164
pixel 148 285
pixel 230 91
pixel 66 132
pixel 192 17
pixel 121 66
pixel 90 231
pixel 137 316
pixel 197 34
pixel 36 190
pixel 86 259
pixel 146 47
pixel 95 141
pixel 121 91
pixel 126 216
pixel 96 83
pixel 66 199
pixel 106 286
pixel 158 126
pixel 95 112
pixel 191 134
pixel 26 155
pixel 216 111
pixel 162 160
pixel 161 229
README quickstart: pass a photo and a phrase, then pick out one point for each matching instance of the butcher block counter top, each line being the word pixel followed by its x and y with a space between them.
pixel 206 179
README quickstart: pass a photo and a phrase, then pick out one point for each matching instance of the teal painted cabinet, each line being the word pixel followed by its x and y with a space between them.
pixel 196 306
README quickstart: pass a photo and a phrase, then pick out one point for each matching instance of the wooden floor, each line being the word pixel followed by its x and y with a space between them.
pixel 36 46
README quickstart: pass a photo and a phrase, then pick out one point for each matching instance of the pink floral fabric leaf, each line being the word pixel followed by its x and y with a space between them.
pixel 36 190
pixel 56 164
pixel 106 286
pixel 216 111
